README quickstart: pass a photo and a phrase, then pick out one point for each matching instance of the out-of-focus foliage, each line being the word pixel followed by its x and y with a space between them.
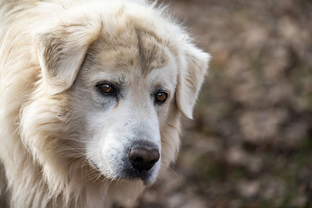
pixel 250 144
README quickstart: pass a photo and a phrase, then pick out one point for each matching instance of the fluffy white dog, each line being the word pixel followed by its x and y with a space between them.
pixel 91 93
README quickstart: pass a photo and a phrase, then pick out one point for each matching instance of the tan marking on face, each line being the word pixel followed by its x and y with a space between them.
pixel 126 50
pixel 151 52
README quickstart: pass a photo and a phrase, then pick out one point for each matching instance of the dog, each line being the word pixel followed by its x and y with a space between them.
pixel 92 92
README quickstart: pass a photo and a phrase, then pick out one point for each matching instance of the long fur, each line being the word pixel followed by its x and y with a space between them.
pixel 43 158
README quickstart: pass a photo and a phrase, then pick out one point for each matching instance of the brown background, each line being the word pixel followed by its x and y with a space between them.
pixel 250 144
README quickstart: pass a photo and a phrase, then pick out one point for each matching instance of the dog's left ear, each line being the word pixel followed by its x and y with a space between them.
pixel 61 50
pixel 190 79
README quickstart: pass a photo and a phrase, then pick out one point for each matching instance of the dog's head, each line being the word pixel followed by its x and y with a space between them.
pixel 118 82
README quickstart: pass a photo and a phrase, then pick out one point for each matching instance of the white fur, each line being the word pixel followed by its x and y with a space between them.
pixel 62 142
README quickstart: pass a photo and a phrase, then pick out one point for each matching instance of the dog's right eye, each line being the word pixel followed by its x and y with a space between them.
pixel 106 89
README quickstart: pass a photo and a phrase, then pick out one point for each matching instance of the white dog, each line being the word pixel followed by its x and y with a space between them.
pixel 91 96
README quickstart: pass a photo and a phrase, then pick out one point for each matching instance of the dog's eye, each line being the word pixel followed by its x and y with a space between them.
pixel 106 89
pixel 161 97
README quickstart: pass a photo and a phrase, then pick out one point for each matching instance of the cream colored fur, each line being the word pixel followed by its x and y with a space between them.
pixel 60 140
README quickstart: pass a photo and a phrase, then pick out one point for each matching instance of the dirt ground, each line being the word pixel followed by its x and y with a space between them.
pixel 250 144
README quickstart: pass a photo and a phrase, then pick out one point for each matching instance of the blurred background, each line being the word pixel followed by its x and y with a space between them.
pixel 250 144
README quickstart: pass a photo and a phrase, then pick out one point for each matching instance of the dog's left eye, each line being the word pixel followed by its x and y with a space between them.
pixel 161 97
pixel 106 89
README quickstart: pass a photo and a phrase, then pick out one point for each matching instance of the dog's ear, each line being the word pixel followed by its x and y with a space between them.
pixel 61 49
pixel 190 79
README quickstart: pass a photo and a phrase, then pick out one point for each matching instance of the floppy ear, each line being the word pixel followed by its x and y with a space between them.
pixel 190 79
pixel 61 50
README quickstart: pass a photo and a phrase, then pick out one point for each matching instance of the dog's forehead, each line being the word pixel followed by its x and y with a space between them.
pixel 130 49
pixel 151 51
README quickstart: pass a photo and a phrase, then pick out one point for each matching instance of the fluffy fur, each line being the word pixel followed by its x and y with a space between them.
pixel 64 143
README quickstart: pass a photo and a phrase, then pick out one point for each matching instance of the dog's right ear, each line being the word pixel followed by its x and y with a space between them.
pixel 61 50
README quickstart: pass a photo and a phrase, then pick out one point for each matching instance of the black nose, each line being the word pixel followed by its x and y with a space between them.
pixel 143 158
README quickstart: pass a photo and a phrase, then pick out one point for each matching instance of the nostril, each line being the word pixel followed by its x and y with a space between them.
pixel 137 161
pixel 143 158
pixel 152 162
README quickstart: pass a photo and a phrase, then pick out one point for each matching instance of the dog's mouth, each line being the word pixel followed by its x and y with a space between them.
pixel 129 174
pixel 132 174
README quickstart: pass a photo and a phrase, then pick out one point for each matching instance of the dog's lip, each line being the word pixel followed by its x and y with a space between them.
pixel 94 165
pixel 144 176
pixel 132 174
pixel 129 174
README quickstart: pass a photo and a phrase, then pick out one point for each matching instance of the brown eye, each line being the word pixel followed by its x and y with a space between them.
pixel 106 89
pixel 161 97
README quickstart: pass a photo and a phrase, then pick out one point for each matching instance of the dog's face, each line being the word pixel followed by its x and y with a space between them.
pixel 127 84
pixel 127 78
